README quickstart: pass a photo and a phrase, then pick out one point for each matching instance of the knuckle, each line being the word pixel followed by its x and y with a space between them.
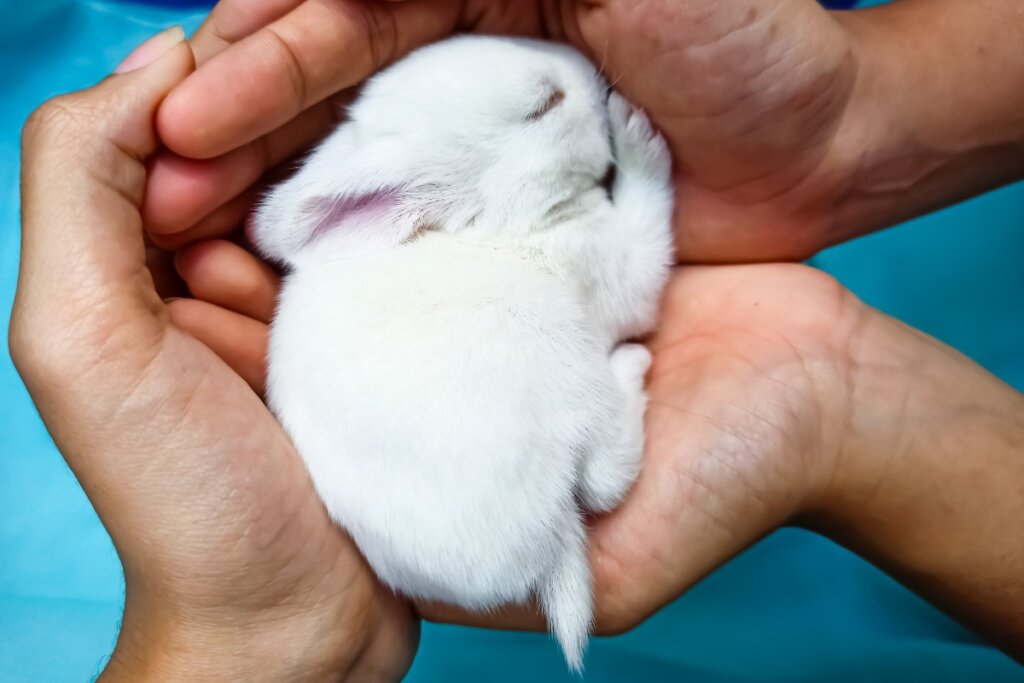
pixel 252 288
pixel 16 345
pixel 57 344
pixel 295 68
pixel 381 34
pixel 29 357
pixel 55 114
pixel 61 118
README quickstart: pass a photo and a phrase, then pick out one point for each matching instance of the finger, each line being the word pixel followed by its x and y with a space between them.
pixel 268 78
pixel 240 341
pixel 82 182
pixel 166 280
pixel 226 275
pixel 231 20
pixel 182 191
pixel 224 221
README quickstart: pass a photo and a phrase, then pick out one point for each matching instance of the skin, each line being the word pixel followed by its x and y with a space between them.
pixel 233 570
pixel 792 127
pixel 776 396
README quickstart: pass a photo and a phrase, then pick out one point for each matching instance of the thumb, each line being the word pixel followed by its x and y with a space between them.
pixel 83 179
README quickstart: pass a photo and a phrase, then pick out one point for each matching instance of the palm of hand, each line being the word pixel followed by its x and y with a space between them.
pixel 742 434
pixel 749 97
pixel 739 432
pixel 255 540
pixel 749 110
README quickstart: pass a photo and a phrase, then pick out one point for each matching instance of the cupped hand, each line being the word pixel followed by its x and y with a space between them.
pixel 744 429
pixel 763 374
pixel 233 570
pixel 746 420
pixel 752 97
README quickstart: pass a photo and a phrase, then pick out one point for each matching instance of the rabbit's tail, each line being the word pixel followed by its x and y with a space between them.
pixel 565 596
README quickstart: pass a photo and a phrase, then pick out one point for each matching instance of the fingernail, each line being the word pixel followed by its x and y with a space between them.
pixel 151 50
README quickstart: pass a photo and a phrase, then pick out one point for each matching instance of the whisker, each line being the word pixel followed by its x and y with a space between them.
pixel 604 57
pixel 612 84
pixel 598 76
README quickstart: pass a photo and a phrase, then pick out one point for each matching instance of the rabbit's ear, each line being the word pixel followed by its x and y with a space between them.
pixel 346 199
pixel 349 224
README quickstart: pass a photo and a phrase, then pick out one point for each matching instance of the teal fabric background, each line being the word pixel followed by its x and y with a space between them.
pixel 793 608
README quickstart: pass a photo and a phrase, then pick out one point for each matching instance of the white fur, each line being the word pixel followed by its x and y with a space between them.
pixel 447 353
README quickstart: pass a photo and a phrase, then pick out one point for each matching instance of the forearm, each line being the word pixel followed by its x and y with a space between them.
pixel 931 484
pixel 938 109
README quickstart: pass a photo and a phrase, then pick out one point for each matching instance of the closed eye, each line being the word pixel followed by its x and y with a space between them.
pixel 556 97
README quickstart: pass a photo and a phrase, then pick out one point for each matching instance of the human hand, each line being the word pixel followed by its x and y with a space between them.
pixel 777 397
pixel 793 128
pixel 233 570
pixel 691 65
pixel 204 126
pixel 750 98
pixel 743 424
pixel 744 428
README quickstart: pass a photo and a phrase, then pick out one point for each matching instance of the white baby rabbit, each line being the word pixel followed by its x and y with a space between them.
pixel 446 353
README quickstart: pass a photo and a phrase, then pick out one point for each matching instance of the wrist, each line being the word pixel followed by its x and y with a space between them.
pixel 926 124
pixel 917 412
pixel 929 481
pixel 882 409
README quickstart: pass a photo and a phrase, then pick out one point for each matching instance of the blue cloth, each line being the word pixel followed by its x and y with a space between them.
pixel 793 608
pixel 831 4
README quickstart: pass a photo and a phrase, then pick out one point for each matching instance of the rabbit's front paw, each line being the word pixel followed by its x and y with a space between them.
pixel 639 149
pixel 630 363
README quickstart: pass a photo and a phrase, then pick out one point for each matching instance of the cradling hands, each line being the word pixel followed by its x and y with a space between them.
pixel 233 570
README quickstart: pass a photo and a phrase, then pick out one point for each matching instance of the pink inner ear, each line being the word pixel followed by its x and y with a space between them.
pixel 362 212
